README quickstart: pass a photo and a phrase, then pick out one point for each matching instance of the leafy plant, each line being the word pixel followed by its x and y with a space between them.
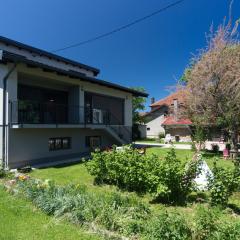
pixel 169 226
pixel 223 184
pixel 161 135
pixel 205 223
pixel 2 171
pixel 167 179
pixel 209 223
pixel 112 211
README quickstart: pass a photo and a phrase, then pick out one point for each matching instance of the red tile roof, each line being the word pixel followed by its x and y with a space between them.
pixel 179 95
pixel 172 121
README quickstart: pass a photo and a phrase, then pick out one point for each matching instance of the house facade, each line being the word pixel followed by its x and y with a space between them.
pixel 165 118
pixel 55 109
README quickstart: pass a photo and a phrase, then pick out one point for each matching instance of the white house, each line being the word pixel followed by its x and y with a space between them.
pixel 164 118
pixel 55 109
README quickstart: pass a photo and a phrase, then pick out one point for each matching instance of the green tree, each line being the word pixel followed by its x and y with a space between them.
pixel 138 104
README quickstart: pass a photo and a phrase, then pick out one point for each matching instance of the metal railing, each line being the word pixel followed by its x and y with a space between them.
pixel 31 112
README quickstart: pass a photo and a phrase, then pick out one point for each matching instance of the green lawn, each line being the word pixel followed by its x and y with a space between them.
pixel 78 173
pixel 149 140
pixel 19 220
pixel 30 223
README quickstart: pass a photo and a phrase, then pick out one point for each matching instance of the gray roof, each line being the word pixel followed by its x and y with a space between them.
pixel 41 52
pixel 12 57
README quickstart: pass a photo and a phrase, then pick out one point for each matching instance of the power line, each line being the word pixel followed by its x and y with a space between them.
pixel 120 28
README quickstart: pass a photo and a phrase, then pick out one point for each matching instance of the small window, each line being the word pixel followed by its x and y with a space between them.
pixel 51 144
pixel 148 129
pixel 93 141
pixel 66 143
pixel 59 143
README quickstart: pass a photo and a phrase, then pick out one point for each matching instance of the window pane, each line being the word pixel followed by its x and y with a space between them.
pixel 66 143
pixel 51 144
pixel 58 143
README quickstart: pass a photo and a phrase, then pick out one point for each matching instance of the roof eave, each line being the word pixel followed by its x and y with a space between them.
pixel 21 59
pixel 17 44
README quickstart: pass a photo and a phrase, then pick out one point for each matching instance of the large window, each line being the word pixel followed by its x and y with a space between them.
pixel 107 108
pixel 59 143
pixel 42 105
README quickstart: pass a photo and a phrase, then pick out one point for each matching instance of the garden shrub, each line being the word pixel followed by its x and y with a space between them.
pixel 2 171
pixel 228 231
pixel 167 179
pixel 210 223
pixel 223 184
pixel 169 226
pixel 127 169
pixel 205 223
pixel 215 148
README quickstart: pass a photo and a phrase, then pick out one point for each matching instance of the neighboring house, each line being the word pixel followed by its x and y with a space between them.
pixel 55 109
pixel 164 118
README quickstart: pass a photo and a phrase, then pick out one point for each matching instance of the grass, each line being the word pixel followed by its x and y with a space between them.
pixel 182 154
pixel 155 140
pixel 185 155
pixel 78 173
pixel 23 214
pixel 21 221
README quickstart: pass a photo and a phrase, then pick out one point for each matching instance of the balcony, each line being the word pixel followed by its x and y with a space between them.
pixel 30 112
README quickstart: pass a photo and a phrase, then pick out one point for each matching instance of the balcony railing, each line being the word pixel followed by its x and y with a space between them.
pixel 30 112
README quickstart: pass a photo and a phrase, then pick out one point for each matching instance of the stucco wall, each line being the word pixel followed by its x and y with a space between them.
pixel 29 144
pixel 154 124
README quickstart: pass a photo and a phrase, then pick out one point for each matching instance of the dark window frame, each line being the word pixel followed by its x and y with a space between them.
pixel 53 146
pixel 87 140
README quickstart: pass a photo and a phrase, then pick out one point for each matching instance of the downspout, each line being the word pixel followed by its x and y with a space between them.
pixel 4 114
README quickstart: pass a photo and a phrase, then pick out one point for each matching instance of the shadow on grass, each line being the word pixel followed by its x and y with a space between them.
pixel 210 154
pixel 65 164
pixel 235 208
pixel 194 197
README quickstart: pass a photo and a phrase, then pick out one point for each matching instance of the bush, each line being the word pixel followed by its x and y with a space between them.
pixel 128 169
pixel 169 226
pixel 161 135
pixel 228 231
pixel 2 171
pixel 211 224
pixel 215 148
pixel 205 223
pixel 223 184
pixel 167 179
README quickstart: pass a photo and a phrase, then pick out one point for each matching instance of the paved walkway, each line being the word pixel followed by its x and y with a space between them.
pixel 177 146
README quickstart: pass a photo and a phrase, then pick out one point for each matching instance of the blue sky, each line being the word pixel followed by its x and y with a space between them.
pixel 151 54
